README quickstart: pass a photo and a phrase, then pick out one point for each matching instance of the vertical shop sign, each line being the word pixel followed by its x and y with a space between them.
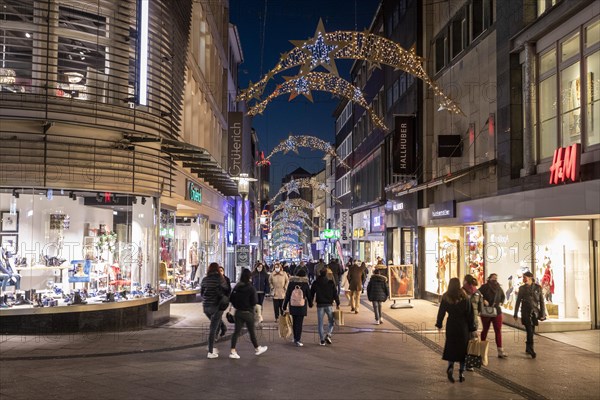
pixel 404 145
pixel 343 225
pixel 234 142
pixel 242 255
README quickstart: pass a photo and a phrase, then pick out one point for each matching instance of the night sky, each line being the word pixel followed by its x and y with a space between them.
pixel 263 41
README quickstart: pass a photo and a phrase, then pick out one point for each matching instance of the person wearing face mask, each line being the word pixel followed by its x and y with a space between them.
pixel 260 281
pixel 278 282
pixel 493 296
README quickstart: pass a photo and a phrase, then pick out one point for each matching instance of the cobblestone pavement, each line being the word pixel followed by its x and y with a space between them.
pixel 400 359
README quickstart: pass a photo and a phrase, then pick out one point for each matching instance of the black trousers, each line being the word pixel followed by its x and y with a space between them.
pixel 277 307
pixel 244 318
pixel 298 321
pixel 529 321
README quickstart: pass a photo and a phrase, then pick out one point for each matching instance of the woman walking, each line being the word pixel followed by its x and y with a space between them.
pixel 493 296
pixel 298 296
pixel 213 288
pixel 243 298
pixel 278 281
pixel 260 281
pixel 460 326
pixel 378 292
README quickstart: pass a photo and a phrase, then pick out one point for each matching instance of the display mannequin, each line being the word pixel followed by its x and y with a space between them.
pixel 547 282
pixel 6 272
pixel 193 258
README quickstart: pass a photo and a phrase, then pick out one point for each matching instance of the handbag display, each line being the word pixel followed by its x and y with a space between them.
pixel 489 311
pixel 285 325
pixel 338 317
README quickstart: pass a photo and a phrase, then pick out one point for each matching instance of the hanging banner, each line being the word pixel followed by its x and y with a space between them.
pixel 344 225
pixel 234 142
pixel 404 150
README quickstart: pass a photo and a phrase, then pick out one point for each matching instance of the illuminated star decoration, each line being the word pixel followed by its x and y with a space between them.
pixel 323 82
pixel 319 50
pixel 358 46
pixel 292 187
pixel 293 142
pixel 302 183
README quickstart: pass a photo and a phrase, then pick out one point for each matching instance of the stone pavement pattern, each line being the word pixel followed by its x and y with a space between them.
pixel 399 359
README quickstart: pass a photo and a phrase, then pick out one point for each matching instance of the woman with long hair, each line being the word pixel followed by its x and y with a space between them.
pixel 493 296
pixel 460 326
pixel 213 288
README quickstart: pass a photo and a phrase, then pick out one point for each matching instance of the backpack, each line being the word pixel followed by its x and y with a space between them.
pixel 297 297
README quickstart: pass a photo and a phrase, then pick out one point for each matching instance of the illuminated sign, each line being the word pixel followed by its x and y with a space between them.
pixel 446 209
pixel 142 84
pixel 565 164
pixel 330 234
pixel 343 223
pixel 193 192
pixel 359 232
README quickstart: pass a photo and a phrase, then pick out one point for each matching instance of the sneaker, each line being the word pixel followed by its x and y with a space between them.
pixel 215 350
pixel 235 356
pixel 212 355
pixel 328 338
pixel 376 322
pixel 471 369
pixel 260 350
pixel 322 343
pixel 299 344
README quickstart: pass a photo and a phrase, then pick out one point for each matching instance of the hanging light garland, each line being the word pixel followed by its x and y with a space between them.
pixel 323 48
pixel 293 142
pixel 319 81
pixel 294 203
pixel 295 184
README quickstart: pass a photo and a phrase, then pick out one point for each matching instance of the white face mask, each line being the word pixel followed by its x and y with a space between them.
pixel 277 269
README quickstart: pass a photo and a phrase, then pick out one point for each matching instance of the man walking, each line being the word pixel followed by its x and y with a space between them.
pixel 326 293
pixel 356 276
pixel 530 296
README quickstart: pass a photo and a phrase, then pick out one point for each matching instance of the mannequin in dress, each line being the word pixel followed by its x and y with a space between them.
pixel 193 259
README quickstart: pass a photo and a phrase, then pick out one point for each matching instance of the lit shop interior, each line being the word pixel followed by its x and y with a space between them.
pixel 63 248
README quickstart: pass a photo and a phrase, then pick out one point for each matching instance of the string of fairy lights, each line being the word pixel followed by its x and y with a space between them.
pixel 293 142
pixel 294 186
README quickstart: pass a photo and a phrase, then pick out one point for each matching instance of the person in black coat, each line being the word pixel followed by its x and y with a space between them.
pixel 213 288
pixel 378 292
pixel 530 299
pixel 244 299
pixel 460 326
pixel 298 312
pixel 325 292
pixel 227 293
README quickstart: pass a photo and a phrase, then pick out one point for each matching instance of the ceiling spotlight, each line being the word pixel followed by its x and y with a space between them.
pixel 143 200
pixel 27 35
pixel 15 194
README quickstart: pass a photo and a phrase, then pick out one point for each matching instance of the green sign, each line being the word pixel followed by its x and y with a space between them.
pixel 330 234
pixel 194 192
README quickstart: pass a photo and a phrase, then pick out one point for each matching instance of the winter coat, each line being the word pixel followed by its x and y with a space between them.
pixel 325 291
pixel 378 289
pixel 356 275
pixel 531 298
pixel 244 297
pixel 493 297
pixel 476 300
pixel 459 324
pixel 336 269
pixel 319 267
pixel 212 287
pixel 260 281
pixel 278 281
pixel 301 281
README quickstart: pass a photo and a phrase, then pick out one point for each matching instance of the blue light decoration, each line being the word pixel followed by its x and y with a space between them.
pixel 320 51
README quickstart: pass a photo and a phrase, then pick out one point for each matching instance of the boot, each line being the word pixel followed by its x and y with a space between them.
pixel 502 353
pixel 529 350
pixel 20 300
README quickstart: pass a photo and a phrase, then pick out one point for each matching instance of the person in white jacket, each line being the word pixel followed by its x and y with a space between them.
pixel 278 280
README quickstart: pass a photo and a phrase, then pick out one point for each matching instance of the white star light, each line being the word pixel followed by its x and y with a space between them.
pixel 292 187
pixel 320 51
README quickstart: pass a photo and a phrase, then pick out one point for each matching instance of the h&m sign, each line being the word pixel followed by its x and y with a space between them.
pixel 566 164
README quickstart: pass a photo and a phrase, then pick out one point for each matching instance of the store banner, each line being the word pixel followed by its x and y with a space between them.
pixel 446 209
pixel 242 255
pixel 344 225
pixel 234 142
pixel 404 151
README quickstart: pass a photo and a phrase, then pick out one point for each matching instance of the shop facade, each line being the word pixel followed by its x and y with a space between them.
pixel 550 232
pixel 368 235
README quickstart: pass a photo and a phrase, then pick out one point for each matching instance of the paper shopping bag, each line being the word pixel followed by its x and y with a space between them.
pixel 338 317
pixel 483 351
pixel 285 325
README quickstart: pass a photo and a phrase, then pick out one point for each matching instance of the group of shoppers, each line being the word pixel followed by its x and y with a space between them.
pixel 464 304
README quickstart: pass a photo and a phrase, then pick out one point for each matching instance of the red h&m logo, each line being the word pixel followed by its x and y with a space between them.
pixel 565 164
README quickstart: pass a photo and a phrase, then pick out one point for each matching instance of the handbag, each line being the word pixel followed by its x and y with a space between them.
pixel 223 302
pixel 338 317
pixel 473 359
pixel 489 311
pixel 285 325
pixel 230 318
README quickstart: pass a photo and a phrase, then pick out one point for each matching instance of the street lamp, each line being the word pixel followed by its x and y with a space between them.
pixel 243 190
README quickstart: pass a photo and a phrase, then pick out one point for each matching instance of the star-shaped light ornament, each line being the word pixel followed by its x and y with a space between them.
pixel 301 86
pixel 290 144
pixel 292 187
pixel 320 51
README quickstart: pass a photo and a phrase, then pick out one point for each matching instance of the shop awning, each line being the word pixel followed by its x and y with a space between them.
pixel 201 163
pixel 400 189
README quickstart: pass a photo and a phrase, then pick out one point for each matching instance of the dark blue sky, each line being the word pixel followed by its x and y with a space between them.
pixel 264 37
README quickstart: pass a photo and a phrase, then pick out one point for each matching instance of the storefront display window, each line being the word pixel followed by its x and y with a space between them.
pixel 474 259
pixel 167 247
pixel 190 233
pixel 508 254
pixel 593 97
pixel 442 251
pixel 562 267
pixel 75 247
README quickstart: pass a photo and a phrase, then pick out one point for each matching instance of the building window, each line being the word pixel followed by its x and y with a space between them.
pixel 389 98
pixel 458 35
pixel 592 67
pixel 543 5
pixel 440 53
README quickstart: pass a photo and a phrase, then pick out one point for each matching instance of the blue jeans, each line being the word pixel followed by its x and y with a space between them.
pixel 324 310
pixel 214 314
pixel 7 278
pixel 377 309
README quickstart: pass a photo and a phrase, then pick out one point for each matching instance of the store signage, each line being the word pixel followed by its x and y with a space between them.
pixel 378 219
pixel 193 192
pixel 450 146
pixel 566 164
pixel 330 234
pixel 359 232
pixel 447 209
pixel 398 206
pixel 242 255
pixel 343 225
pixel 234 142
pixel 404 145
